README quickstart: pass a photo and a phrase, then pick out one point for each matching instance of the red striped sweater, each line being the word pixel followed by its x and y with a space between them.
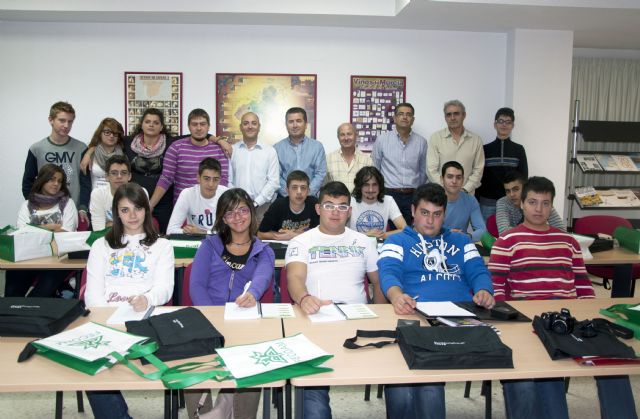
pixel 538 265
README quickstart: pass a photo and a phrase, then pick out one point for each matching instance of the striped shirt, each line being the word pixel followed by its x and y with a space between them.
pixel 338 169
pixel 402 165
pixel 538 265
pixel 180 165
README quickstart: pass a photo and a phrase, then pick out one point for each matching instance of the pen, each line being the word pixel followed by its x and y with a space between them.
pixel 246 287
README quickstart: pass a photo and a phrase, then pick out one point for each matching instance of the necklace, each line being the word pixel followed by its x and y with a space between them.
pixel 241 244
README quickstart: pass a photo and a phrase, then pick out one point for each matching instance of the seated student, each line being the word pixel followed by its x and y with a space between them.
pixel 372 208
pixel 49 206
pixel 130 265
pixel 291 215
pixel 224 264
pixel 432 263
pixel 118 172
pixel 462 208
pixel 526 267
pixel 508 208
pixel 197 204
pixel 312 280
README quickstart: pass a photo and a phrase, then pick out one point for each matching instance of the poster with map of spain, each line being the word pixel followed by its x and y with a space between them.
pixel 153 90
pixel 269 96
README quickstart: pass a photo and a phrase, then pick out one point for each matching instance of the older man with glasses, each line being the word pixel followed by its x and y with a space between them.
pixel 327 264
pixel 501 156
pixel 456 143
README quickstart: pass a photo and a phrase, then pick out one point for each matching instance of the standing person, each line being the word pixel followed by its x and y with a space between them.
pixel 180 168
pixel 146 150
pixel 228 261
pixel 501 156
pixel 428 262
pixel 107 141
pixel 509 208
pixel 313 259
pixel 400 155
pixel 299 152
pixel 462 208
pixel 344 163
pixel 61 149
pixel 118 172
pixel 254 167
pixel 129 265
pixel 49 206
pixel 372 207
pixel 535 261
pixel 195 211
pixel 456 143
pixel 293 214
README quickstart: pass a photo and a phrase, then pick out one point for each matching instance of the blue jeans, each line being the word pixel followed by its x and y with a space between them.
pixel 616 397
pixel 539 398
pixel 108 405
pixel 487 207
pixel 316 403
pixel 419 401
pixel 404 201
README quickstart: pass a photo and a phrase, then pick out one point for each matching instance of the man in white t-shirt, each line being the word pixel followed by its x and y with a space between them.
pixel 328 264
pixel 118 172
pixel 197 204
pixel 373 208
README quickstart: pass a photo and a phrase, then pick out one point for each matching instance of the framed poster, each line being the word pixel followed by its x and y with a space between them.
pixel 153 90
pixel 269 96
pixel 373 101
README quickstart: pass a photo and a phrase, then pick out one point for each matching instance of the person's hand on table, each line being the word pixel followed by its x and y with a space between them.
pixel 246 300
pixel 484 298
pixel 139 302
pixel 191 229
pixel 403 304
pixel 311 304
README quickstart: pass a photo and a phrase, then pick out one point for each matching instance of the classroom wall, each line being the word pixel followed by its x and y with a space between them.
pixel 84 64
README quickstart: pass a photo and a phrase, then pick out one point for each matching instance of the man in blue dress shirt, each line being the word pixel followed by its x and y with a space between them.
pixel 299 152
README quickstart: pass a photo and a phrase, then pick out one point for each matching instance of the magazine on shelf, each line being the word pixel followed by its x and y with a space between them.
pixel 617 162
pixel 589 162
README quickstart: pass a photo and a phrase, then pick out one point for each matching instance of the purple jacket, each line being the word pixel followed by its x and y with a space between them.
pixel 214 283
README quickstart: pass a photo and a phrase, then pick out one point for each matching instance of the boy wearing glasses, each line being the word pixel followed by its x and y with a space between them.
pixel 327 264
pixel 535 261
pixel 500 157
pixel 456 143
pixel 195 210
pixel 428 262
pixel 118 172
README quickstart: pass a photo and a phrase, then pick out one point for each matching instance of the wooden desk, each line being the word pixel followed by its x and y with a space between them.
pixel 387 366
pixel 622 261
pixel 49 263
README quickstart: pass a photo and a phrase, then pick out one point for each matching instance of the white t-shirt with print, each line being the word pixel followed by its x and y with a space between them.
pixel 195 209
pixel 365 217
pixel 336 264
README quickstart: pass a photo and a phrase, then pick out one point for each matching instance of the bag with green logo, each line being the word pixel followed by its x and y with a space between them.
pixel 628 238
pixel 28 242
pixel 627 315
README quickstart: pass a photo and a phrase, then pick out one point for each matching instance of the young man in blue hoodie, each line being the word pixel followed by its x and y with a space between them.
pixel 427 262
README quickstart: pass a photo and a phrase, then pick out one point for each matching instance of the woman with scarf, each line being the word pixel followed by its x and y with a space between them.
pixel 49 206
pixel 107 141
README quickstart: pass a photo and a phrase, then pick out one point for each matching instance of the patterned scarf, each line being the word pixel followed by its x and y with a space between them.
pixel 38 200
pixel 138 146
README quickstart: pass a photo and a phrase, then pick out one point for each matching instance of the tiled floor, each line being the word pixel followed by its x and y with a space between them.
pixel 346 402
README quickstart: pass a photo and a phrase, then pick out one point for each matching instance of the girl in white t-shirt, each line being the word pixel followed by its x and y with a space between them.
pixel 372 209
pixel 49 206
pixel 130 265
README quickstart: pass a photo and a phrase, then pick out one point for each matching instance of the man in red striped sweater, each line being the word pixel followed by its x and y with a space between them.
pixel 535 261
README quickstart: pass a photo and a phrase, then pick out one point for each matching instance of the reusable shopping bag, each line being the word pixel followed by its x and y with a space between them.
pixel 28 242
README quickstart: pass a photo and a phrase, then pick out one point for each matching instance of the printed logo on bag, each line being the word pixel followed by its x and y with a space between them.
pixel 178 322
pixel 269 356
pixel 440 343
pixel 90 341
pixel 23 306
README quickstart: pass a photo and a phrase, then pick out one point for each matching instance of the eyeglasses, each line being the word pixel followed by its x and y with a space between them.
pixel 330 207
pixel 450 114
pixel 242 212
pixel 116 173
pixel 504 121
pixel 109 133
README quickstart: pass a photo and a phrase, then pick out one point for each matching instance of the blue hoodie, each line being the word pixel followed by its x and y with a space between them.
pixel 451 270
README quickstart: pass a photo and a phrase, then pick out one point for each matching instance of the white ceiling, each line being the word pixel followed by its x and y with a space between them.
pixel 613 24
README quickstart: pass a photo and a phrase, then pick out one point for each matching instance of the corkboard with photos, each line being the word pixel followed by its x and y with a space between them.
pixel 153 90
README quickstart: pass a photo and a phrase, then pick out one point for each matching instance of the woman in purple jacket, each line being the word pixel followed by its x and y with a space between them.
pixel 224 264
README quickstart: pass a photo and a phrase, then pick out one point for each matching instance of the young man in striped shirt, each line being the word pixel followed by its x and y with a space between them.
pixel 535 261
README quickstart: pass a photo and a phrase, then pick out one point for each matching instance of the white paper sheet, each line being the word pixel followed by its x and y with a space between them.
pixel 443 309
pixel 234 312
pixel 357 311
pixel 276 310
pixel 328 313
pixel 125 313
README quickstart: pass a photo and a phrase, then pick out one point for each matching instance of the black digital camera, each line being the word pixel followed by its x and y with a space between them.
pixel 560 322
